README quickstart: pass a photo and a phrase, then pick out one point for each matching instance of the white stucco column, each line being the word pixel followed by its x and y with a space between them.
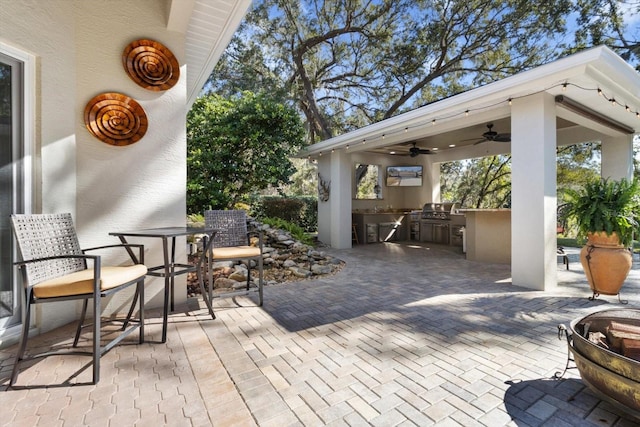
pixel 431 178
pixel 533 192
pixel 340 199
pixel 324 207
pixel 617 157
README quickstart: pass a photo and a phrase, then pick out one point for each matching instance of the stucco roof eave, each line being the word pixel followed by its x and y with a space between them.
pixel 220 18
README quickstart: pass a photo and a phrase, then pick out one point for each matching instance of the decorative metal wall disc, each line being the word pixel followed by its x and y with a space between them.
pixel 151 65
pixel 116 119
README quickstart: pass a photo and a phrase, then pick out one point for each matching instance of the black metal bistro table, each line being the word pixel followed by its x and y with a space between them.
pixel 170 268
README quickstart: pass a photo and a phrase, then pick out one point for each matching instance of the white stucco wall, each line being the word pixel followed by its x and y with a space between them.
pixel 47 31
pixel 141 185
pixel 78 46
pixel 394 197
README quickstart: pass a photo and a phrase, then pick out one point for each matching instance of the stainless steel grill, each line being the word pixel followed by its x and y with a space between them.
pixel 435 223
pixel 438 211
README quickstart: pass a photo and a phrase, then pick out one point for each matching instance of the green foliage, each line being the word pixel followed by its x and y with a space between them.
pixel 348 64
pixel 304 182
pixel 302 211
pixel 610 23
pixel 296 231
pixel 605 205
pixel 567 242
pixel 238 146
pixel 195 219
pixel 478 183
pixel 367 181
pixel 577 165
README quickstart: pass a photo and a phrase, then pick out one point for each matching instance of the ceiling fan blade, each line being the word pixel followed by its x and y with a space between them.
pixel 414 151
pixel 502 137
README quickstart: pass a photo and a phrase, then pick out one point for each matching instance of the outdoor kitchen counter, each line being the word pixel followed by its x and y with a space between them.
pixel 374 227
pixel 488 235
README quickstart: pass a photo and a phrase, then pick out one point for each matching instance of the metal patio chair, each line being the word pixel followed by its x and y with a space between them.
pixel 54 268
pixel 232 242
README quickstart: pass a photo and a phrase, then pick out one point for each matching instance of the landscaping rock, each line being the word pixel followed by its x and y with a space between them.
pixel 319 269
pixel 285 259
pixel 300 272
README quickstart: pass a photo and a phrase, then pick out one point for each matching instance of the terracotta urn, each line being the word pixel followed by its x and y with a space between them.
pixel 606 263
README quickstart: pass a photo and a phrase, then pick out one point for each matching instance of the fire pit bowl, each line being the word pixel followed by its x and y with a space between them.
pixel 605 346
pixel 618 390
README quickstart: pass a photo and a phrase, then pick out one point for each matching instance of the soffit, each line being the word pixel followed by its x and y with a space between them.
pixel 209 29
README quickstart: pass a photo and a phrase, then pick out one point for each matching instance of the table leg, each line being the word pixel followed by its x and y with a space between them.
pixel 167 285
pixel 206 247
pixel 136 294
pixel 173 270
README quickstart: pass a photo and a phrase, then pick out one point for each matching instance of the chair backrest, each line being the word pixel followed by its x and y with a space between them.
pixel 46 235
pixel 231 226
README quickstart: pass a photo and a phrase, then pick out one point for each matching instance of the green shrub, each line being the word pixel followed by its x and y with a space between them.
pixel 296 231
pixel 195 219
pixel 300 210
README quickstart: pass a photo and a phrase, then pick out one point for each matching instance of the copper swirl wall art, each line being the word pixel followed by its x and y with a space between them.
pixel 151 65
pixel 116 119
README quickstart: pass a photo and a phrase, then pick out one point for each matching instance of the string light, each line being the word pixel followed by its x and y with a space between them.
pixel 564 87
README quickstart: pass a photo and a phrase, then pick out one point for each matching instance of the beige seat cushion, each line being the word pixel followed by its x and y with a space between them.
pixel 234 252
pixel 81 282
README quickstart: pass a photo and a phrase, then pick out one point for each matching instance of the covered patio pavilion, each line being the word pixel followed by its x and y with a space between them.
pixel 590 96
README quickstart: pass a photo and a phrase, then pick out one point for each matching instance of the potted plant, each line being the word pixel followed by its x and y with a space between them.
pixel 607 214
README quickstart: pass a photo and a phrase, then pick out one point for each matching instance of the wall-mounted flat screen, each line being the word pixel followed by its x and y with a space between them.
pixel 404 176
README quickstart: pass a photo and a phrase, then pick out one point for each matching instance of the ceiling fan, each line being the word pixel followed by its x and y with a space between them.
pixel 492 135
pixel 414 151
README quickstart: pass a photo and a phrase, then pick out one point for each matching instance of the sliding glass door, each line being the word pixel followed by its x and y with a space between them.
pixel 11 149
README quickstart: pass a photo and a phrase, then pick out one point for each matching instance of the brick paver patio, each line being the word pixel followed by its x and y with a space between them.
pixel 403 335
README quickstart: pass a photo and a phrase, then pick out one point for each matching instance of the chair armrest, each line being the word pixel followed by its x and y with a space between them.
pixel 126 246
pixel 49 258
pixel 255 233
